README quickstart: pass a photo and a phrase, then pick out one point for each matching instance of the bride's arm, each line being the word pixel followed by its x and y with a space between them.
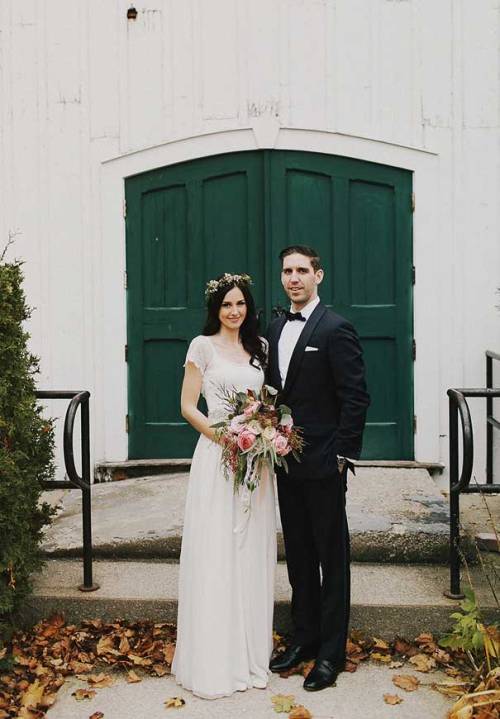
pixel 190 394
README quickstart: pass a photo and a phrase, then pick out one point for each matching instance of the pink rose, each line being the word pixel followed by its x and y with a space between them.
pixel 251 408
pixel 236 425
pixel 281 445
pixel 246 440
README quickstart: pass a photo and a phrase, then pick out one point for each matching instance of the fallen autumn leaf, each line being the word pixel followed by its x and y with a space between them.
pixel 174 702
pixel 406 681
pixel 283 703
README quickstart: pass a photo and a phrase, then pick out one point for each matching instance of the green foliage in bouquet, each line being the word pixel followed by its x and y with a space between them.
pixel 26 450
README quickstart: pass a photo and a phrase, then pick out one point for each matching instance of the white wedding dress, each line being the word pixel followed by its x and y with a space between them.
pixel 228 556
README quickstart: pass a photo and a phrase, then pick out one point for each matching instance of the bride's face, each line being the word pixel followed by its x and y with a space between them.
pixel 233 309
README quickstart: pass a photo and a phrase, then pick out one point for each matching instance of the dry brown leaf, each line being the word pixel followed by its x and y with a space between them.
pixel 33 695
pixel 140 661
pixel 396 665
pixel 441 656
pixel 379 644
pixel 160 670
pixel 350 667
pixel 81 694
pixel 96 715
pixel 406 681
pixel 451 689
pixel 106 645
pixel 100 681
pixel 392 699
pixel 174 702
pixel 283 703
pixel 300 712
pixel 423 662
pixel 132 677
pixel 306 668
pixel 124 645
pixel 424 638
pixel 168 652
pixel 385 658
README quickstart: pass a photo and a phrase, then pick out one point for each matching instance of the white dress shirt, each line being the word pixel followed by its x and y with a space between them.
pixel 289 337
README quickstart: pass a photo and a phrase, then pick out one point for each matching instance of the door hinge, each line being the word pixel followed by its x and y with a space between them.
pixel 414 349
pixel 125 279
pixel 126 353
pixel 413 202
pixel 127 423
pixel 125 208
pixel 413 274
pixel 414 424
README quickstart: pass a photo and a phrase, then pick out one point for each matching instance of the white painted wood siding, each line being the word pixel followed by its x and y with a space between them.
pixel 80 84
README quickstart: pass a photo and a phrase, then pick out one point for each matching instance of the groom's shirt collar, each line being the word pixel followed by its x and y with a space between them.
pixel 308 309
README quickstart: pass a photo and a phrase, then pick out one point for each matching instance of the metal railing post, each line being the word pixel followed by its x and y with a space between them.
pixel 454 591
pixel 489 426
pixel 88 585
pixel 77 399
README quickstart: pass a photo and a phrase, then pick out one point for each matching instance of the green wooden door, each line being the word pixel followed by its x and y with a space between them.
pixel 358 216
pixel 192 221
pixel 185 224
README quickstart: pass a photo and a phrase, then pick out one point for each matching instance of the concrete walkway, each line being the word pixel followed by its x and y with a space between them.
pixel 395 515
pixel 356 696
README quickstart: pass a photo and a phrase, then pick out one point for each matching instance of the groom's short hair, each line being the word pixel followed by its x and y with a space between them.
pixel 302 250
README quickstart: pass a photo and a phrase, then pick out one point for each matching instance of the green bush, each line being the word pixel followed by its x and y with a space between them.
pixel 26 450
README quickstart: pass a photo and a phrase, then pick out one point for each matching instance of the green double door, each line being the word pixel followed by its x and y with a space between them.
pixel 190 222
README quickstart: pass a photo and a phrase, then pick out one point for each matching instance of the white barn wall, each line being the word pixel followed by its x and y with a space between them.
pixel 88 97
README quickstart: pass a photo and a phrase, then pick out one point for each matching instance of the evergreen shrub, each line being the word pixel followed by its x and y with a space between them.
pixel 26 450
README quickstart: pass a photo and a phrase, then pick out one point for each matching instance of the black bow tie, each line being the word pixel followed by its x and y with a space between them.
pixel 291 316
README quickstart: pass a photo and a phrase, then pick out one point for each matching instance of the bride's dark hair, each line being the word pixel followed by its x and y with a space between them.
pixel 249 330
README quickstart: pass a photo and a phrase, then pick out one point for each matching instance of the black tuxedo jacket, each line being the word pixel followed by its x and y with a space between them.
pixel 325 390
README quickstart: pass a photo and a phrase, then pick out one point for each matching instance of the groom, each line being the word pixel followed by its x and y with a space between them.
pixel 315 360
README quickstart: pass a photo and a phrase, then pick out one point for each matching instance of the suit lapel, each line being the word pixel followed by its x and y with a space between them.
pixel 274 367
pixel 298 352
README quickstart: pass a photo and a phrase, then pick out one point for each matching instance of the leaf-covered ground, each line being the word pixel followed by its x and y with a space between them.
pixel 36 664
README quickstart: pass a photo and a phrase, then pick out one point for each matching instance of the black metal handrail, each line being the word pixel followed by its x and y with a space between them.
pixel 78 399
pixel 491 422
pixel 458 406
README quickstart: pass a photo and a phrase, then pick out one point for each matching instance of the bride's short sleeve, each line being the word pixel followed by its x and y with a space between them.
pixel 199 353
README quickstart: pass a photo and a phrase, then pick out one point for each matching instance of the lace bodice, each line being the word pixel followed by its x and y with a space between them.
pixel 218 372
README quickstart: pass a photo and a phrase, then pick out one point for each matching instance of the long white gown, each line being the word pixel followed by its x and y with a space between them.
pixel 228 556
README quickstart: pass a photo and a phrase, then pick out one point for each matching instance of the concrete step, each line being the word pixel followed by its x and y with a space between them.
pixel 386 599
pixel 128 469
pixel 395 515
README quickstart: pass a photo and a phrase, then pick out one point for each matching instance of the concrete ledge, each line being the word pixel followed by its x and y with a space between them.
pixel 117 471
pixel 386 600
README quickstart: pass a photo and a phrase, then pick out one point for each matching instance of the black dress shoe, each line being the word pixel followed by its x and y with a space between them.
pixel 295 654
pixel 322 675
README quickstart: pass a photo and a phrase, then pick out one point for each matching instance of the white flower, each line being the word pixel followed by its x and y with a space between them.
pixel 254 427
pixel 271 390
pixel 269 432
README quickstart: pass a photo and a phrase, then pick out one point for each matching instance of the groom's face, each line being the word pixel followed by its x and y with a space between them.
pixel 299 279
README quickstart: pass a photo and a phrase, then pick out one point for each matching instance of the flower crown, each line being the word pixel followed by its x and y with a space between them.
pixel 226 279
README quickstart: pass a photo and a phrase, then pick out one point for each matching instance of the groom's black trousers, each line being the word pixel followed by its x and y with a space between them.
pixel 316 536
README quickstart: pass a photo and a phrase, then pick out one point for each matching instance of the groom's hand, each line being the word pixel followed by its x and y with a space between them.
pixel 344 464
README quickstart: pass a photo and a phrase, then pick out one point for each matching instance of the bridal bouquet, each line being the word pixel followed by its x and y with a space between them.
pixel 256 435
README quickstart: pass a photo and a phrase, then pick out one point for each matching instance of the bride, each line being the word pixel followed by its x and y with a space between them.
pixel 226 582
